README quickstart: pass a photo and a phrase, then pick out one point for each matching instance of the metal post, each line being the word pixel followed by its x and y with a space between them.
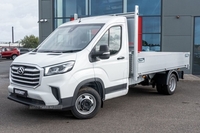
pixel 12 34
pixel 124 6
pixel 135 72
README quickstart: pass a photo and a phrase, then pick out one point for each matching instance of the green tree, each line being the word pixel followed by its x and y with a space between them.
pixel 30 41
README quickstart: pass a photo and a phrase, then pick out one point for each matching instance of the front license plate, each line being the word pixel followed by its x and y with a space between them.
pixel 20 92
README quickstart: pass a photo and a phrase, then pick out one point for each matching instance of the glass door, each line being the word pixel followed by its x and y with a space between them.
pixel 196 51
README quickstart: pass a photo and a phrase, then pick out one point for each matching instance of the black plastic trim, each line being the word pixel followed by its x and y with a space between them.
pixel 56 93
pixel 25 101
pixel 63 104
pixel 85 82
pixel 181 74
pixel 116 88
pixel 66 102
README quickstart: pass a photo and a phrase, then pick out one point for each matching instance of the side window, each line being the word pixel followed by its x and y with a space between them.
pixel 102 41
pixel 112 38
pixel 7 49
pixel 115 40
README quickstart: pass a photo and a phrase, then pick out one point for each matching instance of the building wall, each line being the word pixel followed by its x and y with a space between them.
pixel 177 20
pixel 45 18
pixel 177 25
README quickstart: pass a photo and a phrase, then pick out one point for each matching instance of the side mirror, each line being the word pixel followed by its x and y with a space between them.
pixel 103 52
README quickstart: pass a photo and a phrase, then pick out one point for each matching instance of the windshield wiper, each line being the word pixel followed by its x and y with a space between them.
pixel 60 51
pixel 70 51
pixel 35 50
pixel 49 51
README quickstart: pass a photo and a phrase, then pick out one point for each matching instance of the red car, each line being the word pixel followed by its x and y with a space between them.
pixel 9 53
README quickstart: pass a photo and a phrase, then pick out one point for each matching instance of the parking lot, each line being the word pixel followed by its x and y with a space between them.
pixel 143 110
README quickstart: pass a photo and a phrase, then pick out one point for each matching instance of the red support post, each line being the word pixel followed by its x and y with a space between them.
pixel 139 33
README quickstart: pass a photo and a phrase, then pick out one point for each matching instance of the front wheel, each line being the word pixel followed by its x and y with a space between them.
pixel 87 103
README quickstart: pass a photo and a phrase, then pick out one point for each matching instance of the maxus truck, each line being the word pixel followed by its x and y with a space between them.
pixel 89 60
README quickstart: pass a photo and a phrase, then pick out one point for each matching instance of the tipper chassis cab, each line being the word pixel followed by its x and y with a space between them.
pixel 89 60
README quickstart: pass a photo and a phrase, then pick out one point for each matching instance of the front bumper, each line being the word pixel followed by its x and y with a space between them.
pixel 38 104
pixel 53 93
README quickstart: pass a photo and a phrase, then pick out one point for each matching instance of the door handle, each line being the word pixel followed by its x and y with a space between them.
pixel 120 58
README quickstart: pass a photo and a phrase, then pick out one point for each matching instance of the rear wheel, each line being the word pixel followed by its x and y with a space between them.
pixel 160 88
pixel 170 88
pixel 172 83
pixel 87 103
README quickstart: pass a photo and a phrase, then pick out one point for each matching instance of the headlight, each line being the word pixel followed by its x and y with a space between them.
pixel 59 68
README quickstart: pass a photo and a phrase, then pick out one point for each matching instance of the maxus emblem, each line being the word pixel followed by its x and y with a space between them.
pixel 20 70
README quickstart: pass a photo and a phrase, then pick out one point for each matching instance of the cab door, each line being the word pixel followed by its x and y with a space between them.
pixel 113 71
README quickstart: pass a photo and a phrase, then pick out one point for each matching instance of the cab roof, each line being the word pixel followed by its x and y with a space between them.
pixel 96 20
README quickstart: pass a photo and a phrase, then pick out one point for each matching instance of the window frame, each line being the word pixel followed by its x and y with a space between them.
pixel 195 54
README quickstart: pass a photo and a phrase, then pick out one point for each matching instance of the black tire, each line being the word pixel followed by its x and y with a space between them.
pixel 13 56
pixel 160 88
pixel 171 85
pixel 170 88
pixel 87 103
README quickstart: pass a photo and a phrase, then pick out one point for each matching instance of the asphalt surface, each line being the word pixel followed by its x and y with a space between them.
pixel 142 110
pixel 4 66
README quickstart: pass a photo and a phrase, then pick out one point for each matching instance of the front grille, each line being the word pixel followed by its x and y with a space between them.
pixel 30 76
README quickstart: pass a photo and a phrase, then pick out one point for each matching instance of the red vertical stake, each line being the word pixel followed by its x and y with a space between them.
pixel 139 33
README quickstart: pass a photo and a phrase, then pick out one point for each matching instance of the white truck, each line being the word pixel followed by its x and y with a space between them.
pixel 87 61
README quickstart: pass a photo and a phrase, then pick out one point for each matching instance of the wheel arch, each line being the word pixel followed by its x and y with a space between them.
pixel 163 77
pixel 94 83
pixel 169 74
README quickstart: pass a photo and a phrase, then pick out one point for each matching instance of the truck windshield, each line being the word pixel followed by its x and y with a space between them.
pixel 69 38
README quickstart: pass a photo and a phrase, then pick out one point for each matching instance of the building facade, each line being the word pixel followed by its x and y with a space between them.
pixel 167 25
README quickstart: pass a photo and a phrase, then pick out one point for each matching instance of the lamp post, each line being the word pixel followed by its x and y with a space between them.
pixel 12 34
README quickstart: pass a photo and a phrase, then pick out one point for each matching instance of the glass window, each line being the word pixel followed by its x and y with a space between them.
pixel 112 38
pixel 101 7
pixel 151 33
pixel 151 25
pixel 81 7
pixel 151 42
pixel 70 38
pixel 58 8
pixel 150 10
pixel 197 31
pixel 67 8
pixel 196 56
pixel 58 22
pixel 3 49
pixel 146 7
pixel 115 40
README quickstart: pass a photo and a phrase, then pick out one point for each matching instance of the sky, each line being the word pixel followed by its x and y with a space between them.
pixel 20 14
